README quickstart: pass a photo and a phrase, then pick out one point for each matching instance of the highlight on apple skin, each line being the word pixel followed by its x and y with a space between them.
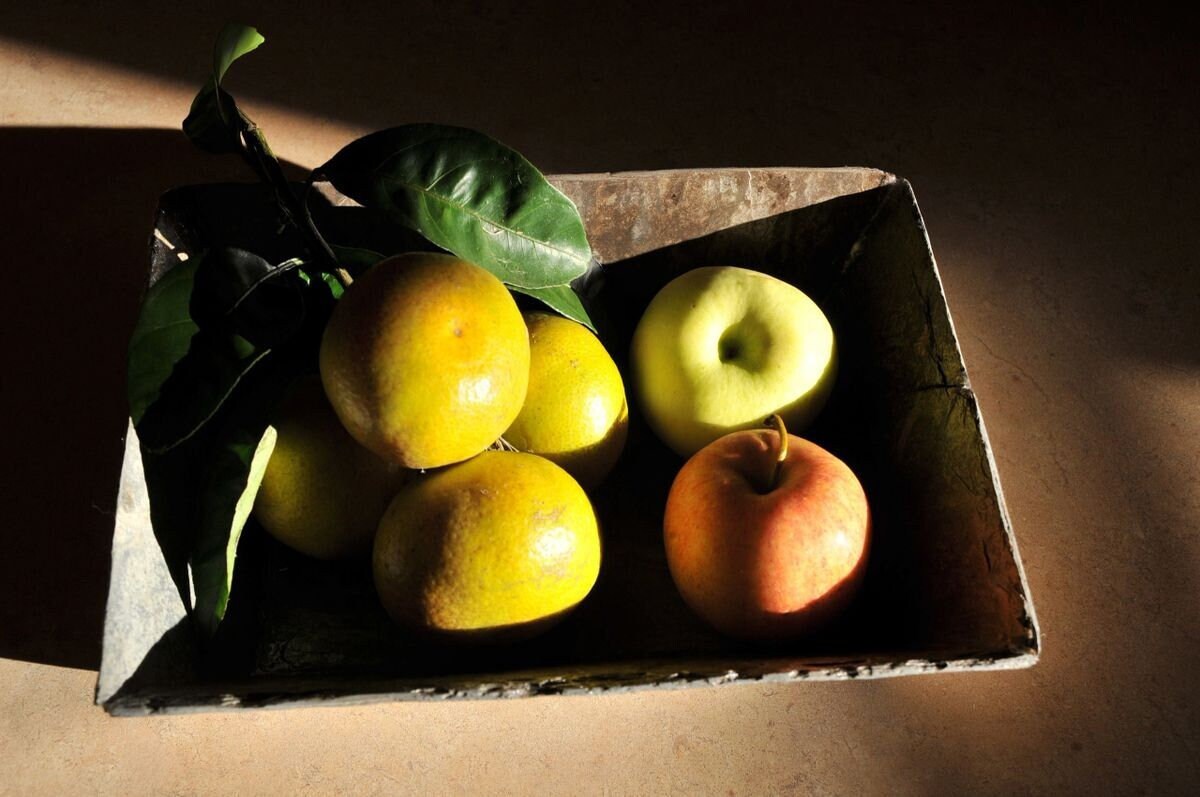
pixel 720 348
pixel 762 549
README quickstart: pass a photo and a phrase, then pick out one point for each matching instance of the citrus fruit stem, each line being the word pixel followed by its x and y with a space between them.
pixel 502 445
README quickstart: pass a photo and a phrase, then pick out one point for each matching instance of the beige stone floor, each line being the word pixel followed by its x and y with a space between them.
pixel 1054 156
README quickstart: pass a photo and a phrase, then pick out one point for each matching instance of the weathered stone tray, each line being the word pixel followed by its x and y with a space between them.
pixel 944 589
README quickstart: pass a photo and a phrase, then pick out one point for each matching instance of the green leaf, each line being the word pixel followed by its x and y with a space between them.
pixel 355 259
pixel 197 386
pixel 233 42
pixel 173 506
pixel 235 473
pixel 206 125
pixel 562 299
pixel 181 372
pixel 238 292
pixel 335 286
pixel 202 491
pixel 161 338
pixel 214 121
pixel 323 289
pixel 470 195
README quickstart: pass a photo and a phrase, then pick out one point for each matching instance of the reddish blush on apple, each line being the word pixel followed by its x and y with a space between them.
pixel 766 534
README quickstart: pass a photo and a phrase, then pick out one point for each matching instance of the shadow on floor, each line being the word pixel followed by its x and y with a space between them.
pixel 75 215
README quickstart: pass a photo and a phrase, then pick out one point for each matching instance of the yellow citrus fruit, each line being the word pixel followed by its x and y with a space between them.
pixel 500 545
pixel 322 493
pixel 425 359
pixel 575 413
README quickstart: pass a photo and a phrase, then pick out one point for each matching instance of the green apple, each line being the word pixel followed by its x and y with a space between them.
pixel 721 348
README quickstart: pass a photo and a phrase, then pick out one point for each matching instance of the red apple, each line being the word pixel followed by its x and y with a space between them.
pixel 766 541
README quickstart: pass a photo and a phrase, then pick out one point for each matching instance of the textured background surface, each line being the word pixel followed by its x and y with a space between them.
pixel 1055 160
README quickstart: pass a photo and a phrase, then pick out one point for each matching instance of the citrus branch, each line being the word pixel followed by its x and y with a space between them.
pixel 258 154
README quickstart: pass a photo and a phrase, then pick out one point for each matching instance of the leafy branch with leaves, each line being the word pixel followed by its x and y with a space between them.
pixel 222 335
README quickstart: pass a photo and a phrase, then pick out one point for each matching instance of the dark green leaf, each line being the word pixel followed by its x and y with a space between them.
pixel 563 299
pixel 355 259
pixel 202 491
pixel 238 292
pixel 173 506
pixel 214 121
pixel 205 124
pixel 198 385
pixel 161 338
pixel 469 195
pixel 235 473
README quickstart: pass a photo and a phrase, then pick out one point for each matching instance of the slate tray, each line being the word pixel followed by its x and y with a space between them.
pixel 945 589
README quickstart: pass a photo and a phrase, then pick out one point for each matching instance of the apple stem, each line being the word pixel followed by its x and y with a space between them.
pixel 776 422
